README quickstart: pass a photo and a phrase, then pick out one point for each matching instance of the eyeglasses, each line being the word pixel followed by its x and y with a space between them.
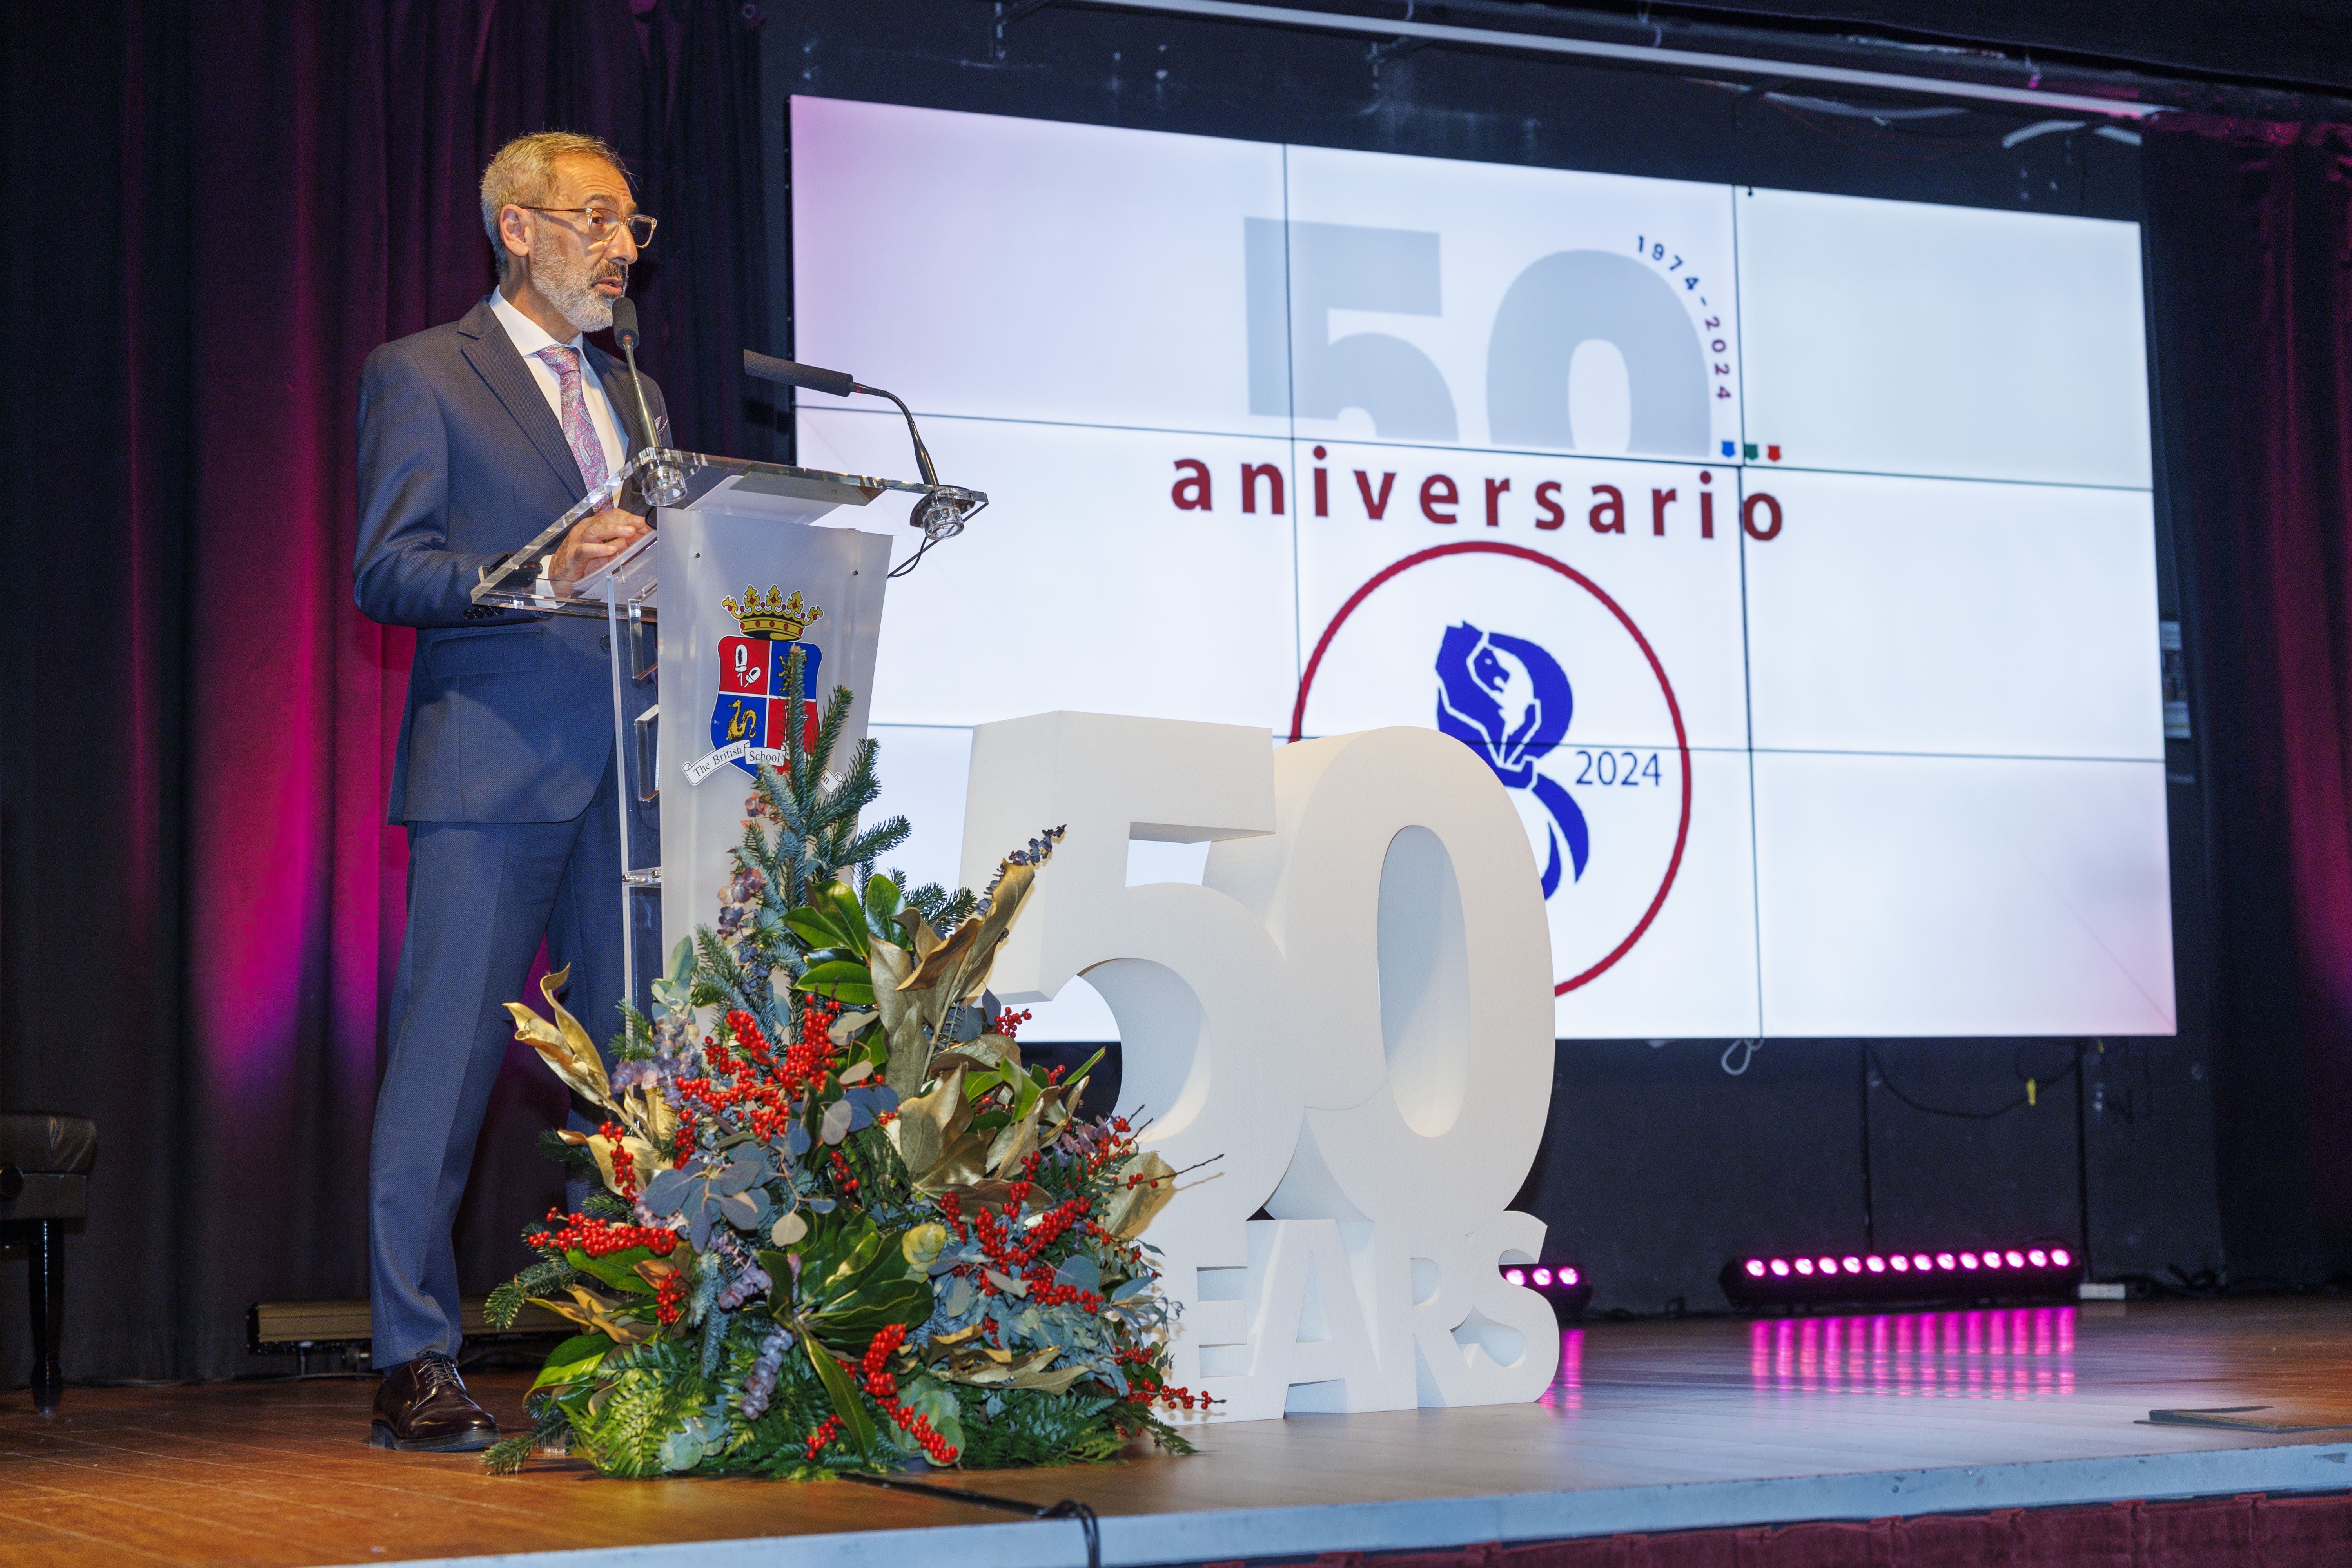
pixel 603 223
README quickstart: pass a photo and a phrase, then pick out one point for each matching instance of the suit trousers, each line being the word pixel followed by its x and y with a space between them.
pixel 480 897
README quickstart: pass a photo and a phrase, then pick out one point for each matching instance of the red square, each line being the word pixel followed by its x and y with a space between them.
pixel 777 710
pixel 744 665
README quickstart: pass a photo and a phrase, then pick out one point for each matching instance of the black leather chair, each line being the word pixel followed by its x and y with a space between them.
pixel 45 1163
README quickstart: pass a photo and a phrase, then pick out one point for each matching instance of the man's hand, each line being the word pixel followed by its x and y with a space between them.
pixel 592 541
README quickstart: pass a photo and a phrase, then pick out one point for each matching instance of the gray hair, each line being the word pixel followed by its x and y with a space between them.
pixel 523 172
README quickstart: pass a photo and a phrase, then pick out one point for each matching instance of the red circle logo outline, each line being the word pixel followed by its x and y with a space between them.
pixel 1674 709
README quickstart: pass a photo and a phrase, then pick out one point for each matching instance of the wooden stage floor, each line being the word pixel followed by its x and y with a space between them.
pixel 1650 1427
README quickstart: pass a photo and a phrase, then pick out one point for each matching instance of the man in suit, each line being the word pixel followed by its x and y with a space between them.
pixel 473 437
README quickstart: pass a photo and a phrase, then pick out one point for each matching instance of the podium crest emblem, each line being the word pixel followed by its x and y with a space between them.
pixel 753 669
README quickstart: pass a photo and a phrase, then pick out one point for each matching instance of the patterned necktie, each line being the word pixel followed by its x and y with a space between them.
pixel 587 448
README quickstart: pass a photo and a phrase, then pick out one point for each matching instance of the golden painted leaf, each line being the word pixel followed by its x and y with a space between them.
pixel 563 1044
pixel 983 1366
pixel 1015 1143
pixel 962 1163
pixel 902 1018
pixel 593 1313
pixel 1048 1381
pixel 959 970
pixel 1132 1209
pixel 922 1128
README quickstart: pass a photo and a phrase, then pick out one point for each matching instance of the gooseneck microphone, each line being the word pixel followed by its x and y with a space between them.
pixel 942 511
pixel 660 483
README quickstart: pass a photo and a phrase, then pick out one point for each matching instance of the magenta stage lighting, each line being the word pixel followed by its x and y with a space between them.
pixel 1562 1284
pixel 2040 1270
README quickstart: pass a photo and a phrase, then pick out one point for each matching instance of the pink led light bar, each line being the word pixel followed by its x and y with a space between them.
pixel 2036 1270
pixel 1561 1284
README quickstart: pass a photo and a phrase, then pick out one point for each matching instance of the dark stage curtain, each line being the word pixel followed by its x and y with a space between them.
pixel 2250 240
pixel 216 211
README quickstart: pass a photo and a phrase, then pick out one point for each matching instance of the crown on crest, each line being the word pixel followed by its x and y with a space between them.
pixel 772 615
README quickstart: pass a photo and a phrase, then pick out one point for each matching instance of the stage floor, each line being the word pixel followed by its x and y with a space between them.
pixel 1650 1427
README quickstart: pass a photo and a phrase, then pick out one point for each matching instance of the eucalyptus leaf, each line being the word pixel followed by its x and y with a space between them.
pixel 667 1192
pixel 739 1210
pixel 1079 1272
pixel 837 1119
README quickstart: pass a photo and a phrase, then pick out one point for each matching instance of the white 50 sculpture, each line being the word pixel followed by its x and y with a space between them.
pixel 1352 1013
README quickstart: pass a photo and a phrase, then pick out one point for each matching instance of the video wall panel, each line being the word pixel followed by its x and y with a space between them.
pixel 1790 558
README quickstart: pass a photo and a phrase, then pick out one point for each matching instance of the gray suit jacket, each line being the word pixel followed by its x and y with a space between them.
pixel 509 713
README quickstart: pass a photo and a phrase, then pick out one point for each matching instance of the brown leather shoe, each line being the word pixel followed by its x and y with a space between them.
pixel 423 1408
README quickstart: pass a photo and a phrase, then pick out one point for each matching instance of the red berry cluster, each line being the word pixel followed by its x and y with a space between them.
pixel 746 1078
pixel 1016 1248
pixel 600 1237
pixel 843 1180
pixel 1144 1374
pixel 669 1301
pixel 874 1371
pixel 1007 1022
pixel 624 1165
pixel 827 1431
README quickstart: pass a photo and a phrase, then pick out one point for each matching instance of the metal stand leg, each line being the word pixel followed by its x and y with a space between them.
pixel 621 791
pixel 44 1276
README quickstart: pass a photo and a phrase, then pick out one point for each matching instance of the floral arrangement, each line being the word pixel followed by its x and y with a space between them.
pixel 842 1225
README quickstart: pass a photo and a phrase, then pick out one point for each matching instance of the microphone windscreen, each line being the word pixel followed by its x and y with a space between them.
pixel 625 322
pixel 768 367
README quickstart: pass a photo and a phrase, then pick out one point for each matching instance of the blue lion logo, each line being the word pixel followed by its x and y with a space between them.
pixel 1510 702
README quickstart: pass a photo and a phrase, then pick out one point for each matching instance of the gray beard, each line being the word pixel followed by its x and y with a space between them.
pixel 570 288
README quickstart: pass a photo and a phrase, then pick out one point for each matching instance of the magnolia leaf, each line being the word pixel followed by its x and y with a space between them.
pixel 1151 1183
pixel 840 979
pixel 958 969
pixel 983 1367
pixel 887 966
pixel 655 1270
pixel 1014 1144
pixel 845 1403
pixel 816 928
pixel 617 1270
pixel 591 1310
pixel 1056 1382
pixel 585 1058
pixel 962 1164
pixel 849 914
pixel 922 1128
pixel 573 1361
pixel 923 940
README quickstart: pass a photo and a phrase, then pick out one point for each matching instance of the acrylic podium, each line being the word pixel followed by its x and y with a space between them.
pixel 702 614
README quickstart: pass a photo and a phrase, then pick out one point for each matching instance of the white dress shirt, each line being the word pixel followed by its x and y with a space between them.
pixel 528 337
